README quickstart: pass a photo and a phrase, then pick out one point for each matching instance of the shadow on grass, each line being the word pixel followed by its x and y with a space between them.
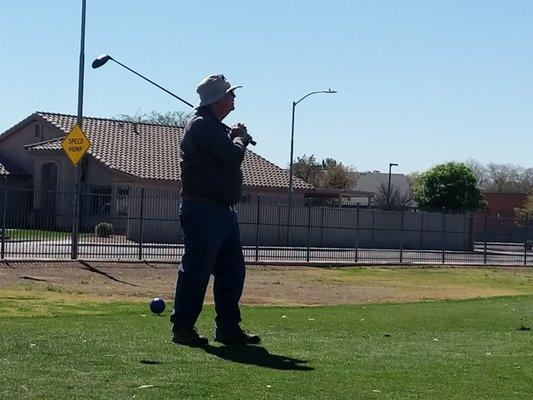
pixel 31 278
pixel 257 355
pixel 88 267
pixel 150 362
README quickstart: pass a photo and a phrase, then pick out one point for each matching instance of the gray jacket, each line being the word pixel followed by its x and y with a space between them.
pixel 211 160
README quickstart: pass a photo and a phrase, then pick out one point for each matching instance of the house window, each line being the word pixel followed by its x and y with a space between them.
pixel 101 200
pixel 38 131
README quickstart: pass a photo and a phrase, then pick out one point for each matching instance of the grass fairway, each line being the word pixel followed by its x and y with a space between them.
pixel 53 346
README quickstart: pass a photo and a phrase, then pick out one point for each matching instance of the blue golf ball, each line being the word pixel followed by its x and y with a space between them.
pixel 157 305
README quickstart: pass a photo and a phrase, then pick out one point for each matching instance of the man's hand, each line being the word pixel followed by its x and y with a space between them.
pixel 239 130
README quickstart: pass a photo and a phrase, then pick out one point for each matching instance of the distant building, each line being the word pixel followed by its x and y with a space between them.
pixel 342 197
pixel 503 205
pixel 374 181
pixel 368 185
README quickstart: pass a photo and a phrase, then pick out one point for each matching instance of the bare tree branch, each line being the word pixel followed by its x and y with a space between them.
pixel 395 200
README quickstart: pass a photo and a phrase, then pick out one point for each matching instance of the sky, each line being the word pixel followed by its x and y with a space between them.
pixel 419 82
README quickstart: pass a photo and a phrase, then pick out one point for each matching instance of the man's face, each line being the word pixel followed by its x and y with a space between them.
pixel 227 103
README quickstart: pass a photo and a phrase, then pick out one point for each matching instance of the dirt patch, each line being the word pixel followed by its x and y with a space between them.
pixel 269 285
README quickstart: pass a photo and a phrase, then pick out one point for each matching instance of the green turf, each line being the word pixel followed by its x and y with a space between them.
pixel 518 279
pixel 471 349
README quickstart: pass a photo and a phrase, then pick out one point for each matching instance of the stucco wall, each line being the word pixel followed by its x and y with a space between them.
pixel 11 146
pixel 160 222
pixel 348 227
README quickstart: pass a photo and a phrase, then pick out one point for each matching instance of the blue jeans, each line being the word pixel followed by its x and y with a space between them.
pixel 212 247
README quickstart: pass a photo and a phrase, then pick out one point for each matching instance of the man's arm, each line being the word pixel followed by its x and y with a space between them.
pixel 215 139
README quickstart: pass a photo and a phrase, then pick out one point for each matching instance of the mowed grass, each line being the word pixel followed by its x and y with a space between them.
pixel 53 346
pixel 447 282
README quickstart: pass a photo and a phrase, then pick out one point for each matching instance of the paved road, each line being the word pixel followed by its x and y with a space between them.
pixel 496 253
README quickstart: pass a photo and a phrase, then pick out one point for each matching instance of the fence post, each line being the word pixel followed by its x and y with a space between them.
pixel 258 220
pixel 422 230
pixel 464 232
pixel 278 237
pixel 141 220
pixel 357 235
pixel 471 236
pixel 525 240
pixel 4 215
pixel 75 221
pixel 443 235
pixel 373 227
pixel 308 229
pixel 321 226
pixel 289 218
pixel 485 239
pixel 401 240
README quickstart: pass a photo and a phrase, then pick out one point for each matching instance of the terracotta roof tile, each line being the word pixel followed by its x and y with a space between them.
pixel 151 151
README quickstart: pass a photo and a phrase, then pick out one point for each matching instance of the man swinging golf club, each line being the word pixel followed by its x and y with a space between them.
pixel 211 157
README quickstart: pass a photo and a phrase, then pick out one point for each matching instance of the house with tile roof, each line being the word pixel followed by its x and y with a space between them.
pixel 122 155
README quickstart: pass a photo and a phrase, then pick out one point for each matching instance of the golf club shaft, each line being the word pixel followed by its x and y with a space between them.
pixel 252 142
pixel 153 83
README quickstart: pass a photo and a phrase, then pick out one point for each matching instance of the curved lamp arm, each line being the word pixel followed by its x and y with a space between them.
pixel 318 91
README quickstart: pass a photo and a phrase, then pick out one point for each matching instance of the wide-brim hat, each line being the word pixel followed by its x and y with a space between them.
pixel 213 88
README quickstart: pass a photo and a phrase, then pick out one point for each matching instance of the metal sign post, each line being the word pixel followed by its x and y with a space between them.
pixel 74 146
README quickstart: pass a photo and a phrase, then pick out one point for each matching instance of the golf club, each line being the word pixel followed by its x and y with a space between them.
pixel 104 58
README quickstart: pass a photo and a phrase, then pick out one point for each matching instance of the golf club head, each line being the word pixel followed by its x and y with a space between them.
pixel 101 60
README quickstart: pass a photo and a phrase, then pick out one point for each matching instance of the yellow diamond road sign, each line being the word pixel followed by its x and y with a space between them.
pixel 75 144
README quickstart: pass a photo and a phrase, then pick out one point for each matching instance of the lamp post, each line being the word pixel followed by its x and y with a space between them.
pixel 388 190
pixel 291 189
pixel 75 220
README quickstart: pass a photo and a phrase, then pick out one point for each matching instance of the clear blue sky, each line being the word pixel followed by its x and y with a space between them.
pixel 420 82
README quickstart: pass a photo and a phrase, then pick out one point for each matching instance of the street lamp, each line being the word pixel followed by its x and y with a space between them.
pixel 388 190
pixel 79 120
pixel 294 103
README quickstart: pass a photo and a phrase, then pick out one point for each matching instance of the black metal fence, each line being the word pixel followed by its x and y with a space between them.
pixel 136 223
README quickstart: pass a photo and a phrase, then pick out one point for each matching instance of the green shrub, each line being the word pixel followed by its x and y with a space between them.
pixel 103 229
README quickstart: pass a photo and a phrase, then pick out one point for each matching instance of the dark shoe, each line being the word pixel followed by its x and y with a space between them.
pixel 189 337
pixel 235 336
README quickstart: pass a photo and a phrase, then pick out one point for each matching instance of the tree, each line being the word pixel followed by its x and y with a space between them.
pixel 172 118
pixel 452 186
pixel 526 180
pixel 414 179
pixel 336 175
pixel 481 173
pixel 307 169
pixel 396 200
pixel 329 173
pixel 502 178
pixel 526 209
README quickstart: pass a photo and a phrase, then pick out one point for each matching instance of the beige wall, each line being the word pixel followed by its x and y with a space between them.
pixel 96 174
pixel 11 146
